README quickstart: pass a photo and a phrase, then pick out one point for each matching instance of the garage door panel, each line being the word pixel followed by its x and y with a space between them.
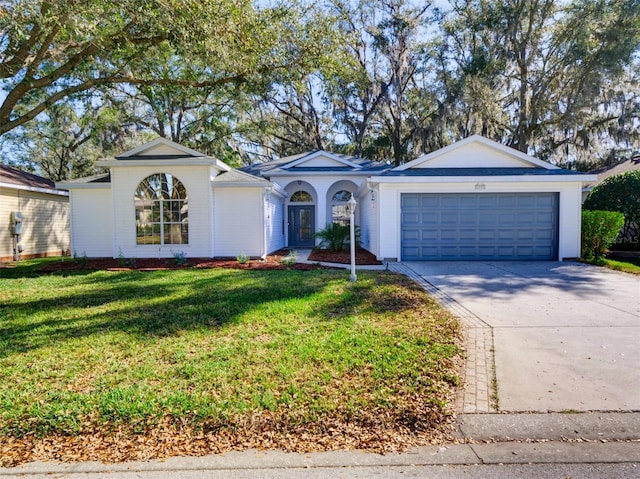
pixel 410 218
pixel 468 202
pixel 544 235
pixel 542 218
pixel 503 226
pixel 411 201
pixel 467 218
pixel 429 202
pixel 545 200
pixel 506 218
pixel 429 235
pixel 449 202
pixel 526 201
pixel 507 235
pixel 468 234
pixel 430 218
pixel 486 201
pixel 448 235
pixel 507 201
pixel 411 235
pixel 487 234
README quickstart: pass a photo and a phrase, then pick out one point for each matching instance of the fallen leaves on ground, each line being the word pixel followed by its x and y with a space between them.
pixel 381 432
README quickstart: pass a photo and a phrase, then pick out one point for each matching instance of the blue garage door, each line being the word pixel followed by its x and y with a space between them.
pixel 501 226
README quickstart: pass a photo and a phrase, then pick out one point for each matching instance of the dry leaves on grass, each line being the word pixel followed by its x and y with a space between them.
pixel 382 431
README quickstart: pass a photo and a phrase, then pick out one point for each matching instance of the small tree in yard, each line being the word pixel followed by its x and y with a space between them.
pixel 620 193
pixel 599 231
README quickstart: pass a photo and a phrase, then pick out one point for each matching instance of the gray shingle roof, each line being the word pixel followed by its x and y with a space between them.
pixel 272 167
pixel 632 164
pixel 102 178
pixel 237 176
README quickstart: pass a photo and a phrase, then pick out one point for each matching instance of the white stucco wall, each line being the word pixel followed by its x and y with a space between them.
pixel 92 222
pixel 322 186
pixel 569 209
pixel 196 180
pixel 238 221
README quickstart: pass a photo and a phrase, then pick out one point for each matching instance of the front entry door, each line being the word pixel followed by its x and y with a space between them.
pixel 301 226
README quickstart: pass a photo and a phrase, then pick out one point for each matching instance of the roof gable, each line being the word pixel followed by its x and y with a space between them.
pixel 162 152
pixel 321 159
pixel 161 147
pixel 476 152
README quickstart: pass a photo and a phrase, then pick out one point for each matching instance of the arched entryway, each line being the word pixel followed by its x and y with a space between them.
pixel 301 215
pixel 337 197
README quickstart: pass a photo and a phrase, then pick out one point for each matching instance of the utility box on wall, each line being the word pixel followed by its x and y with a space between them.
pixel 16 222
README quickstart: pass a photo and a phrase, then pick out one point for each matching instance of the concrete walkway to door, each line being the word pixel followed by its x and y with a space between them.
pixel 566 335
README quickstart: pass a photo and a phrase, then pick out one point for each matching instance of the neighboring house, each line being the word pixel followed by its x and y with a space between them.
pixel 45 215
pixel 475 200
pixel 631 164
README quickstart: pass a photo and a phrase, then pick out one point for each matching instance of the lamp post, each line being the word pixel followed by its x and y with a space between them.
pixel 351 207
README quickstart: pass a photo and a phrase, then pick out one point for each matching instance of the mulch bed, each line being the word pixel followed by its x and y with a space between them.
pixel 363 257
pixel 271 262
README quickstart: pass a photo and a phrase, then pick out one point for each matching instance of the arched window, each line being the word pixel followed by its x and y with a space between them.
pixel 301 197
pixel 162 211
pixel 339 213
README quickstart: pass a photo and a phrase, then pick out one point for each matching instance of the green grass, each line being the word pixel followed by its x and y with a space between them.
pixel 96 351
pixel 630 265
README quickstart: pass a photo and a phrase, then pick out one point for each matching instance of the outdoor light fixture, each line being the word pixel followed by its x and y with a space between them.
pixel 351 208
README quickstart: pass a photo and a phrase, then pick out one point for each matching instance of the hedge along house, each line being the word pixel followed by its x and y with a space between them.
pixel 473 200
pixel 44 213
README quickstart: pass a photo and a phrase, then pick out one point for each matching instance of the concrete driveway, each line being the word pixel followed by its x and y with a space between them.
pixel 566 335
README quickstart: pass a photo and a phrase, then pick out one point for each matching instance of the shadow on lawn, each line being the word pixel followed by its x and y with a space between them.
pixel 157 304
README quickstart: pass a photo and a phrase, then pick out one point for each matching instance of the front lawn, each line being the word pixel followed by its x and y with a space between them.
pixel 114 365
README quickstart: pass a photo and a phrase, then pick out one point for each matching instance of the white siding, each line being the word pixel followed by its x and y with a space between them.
pixel 196 180
pixel 274 223
pixel 91 222
pixel 368 206
pixel 475 155
pixel 569 209
pixel 238 221
pixel 45 226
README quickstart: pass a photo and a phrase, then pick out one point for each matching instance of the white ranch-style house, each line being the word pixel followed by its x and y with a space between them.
pixel 473 200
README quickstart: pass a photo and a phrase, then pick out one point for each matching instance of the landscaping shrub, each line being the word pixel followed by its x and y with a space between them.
pixel 599 231
pixel 335 236
pixel 620 193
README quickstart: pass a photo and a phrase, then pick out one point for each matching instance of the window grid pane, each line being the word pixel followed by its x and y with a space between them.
pixel 161 211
